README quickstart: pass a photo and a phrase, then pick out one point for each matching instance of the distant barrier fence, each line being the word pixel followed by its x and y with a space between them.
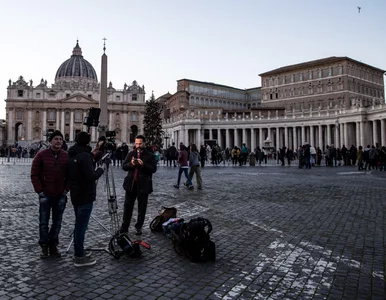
pixel 15 160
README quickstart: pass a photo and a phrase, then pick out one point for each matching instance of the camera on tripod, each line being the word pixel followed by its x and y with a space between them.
pixel 110 140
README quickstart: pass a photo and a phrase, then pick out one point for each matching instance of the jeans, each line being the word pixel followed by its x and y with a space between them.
pixel 185 170
pixel 82 217
pixel 50 236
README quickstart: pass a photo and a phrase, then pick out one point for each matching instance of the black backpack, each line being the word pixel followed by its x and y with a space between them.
pixel 194 242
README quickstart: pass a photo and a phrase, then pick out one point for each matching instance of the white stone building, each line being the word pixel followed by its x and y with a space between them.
pixel 32 112
pixel 335 100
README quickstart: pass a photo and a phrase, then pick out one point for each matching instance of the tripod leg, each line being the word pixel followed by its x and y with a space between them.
pixel 72 240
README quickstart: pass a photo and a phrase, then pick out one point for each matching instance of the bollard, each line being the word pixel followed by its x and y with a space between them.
pixel 252 159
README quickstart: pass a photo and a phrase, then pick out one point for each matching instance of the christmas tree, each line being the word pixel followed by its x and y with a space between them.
pixel 152 126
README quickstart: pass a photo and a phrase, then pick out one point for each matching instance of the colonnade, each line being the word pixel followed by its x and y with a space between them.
pixel 292 136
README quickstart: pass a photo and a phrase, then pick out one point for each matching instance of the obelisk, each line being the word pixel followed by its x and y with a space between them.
pixel 103 118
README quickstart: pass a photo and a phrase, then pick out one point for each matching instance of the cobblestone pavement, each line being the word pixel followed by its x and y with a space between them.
pixel 280 233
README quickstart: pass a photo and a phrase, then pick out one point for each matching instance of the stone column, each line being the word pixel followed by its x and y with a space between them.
pixel 346 135
pixel 236 138
pixel 62 123
pixel 186 138
pixel 286 137
pixel 57 120
pixel 219 138
pixel 198 138
pixel 383 133
pixel 44 124
pixel 361 129
pixel 328 142
pixel 303 137
pixel 71 126
pixel 260 137
pixel 253 139
pixel 321 146
pixel 358 134
pixel 341 129
pixel 29 125
pixel 312 136
pixel 124 137
pixel 244 136
pixel 227 139
pixel 336 142
pixel 111 120
pixel 296 146
pixel 375 132
pixel 278 138
pixel 210 134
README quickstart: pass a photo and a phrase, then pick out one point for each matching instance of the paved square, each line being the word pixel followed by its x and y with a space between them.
pixel 280 233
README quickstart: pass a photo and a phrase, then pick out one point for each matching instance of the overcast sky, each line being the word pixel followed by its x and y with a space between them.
pixel 157 42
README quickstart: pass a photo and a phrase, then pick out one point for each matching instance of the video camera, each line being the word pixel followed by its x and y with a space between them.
pixel 92 120
pixel 110 140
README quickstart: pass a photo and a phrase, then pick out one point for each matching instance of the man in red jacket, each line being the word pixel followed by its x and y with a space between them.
pixel 48 176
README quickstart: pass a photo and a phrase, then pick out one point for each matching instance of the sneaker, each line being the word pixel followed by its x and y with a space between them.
pixel 44 251
pixel 84 261
pixel 85 253
pixel 54 252
pixel 138 231
pixel 191 187
pixel 199 188
pixel 176 186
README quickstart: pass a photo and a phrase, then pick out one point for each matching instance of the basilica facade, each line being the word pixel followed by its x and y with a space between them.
pixel 335 100
pixel 34 111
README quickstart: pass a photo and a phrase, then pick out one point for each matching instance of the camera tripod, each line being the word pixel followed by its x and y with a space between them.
pixel 119 243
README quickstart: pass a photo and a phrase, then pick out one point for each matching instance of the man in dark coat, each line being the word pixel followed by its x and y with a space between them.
pixel 82 178
pixel 140 164
pixel 48 176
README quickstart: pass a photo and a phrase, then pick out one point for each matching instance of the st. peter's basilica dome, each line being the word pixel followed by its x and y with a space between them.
pixel 76 67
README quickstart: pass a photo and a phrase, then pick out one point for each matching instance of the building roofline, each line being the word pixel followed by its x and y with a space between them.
pixel 316 62
pixel 219 85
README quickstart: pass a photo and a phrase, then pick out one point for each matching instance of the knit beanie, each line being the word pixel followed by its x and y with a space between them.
pixel 54 134
pixel 82 138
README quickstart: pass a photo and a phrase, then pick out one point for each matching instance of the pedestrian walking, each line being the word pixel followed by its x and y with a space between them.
pixel 194 162
pixel 49 179
pixel 183 161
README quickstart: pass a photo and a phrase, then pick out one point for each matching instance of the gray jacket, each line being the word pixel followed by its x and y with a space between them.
pixel 194 159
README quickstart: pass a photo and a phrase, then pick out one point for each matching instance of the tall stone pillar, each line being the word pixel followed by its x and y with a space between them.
pixel 261 137
pixel 57 120
pixel 199 143
pixel 186 137
pixel 253 139
pixel 303 137
pixel 29 125
pixel 62 123
pixel 362 136
pixel 341 129
pixel 345 132
pixel 278 145
pixel 358 135
pixel 296 145
pixel 227 139
pixel 337 140
pixel 244 136
pixel 328 142
pixel 210 134
pixel 320 136
pixel 286 137
pixel 236 138
pixel 103 121
pixel 312 136
pixel 219 138
pixel 383 133
pixel 72 126
pixel 93 134
pixel 124 134
pixel 44 124
pixel 375 132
